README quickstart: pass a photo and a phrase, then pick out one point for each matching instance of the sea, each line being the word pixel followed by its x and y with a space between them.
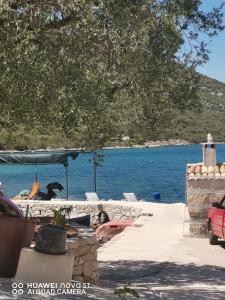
pixel 143 171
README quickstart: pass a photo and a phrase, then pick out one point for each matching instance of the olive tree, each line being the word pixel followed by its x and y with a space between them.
pixel 71 65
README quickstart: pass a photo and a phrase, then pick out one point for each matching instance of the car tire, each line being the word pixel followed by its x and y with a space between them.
pixel 213 239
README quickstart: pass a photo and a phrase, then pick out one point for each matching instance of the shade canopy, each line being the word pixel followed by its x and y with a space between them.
pixel 37 157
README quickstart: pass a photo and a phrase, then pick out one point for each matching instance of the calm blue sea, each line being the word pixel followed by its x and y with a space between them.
pixel 142 171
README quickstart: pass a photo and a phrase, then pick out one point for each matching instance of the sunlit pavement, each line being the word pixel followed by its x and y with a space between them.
pixel 158 257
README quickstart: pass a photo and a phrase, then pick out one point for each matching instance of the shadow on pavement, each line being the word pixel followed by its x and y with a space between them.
pixel 171 280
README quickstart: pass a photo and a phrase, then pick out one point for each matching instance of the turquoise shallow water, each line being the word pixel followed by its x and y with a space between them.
pixel 142 171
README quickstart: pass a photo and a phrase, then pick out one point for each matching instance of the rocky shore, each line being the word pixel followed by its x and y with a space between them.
pixel 151 144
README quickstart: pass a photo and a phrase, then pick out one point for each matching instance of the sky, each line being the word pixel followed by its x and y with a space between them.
pixel 215 67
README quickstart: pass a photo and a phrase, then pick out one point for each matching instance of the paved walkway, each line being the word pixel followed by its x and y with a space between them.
pixel 158 258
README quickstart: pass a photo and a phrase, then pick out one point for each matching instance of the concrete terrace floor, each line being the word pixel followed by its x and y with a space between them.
pixel 156 259
pixel 159 259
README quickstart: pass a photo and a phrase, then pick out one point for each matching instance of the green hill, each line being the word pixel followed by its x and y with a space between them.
pixel 188 125
pixel 193 126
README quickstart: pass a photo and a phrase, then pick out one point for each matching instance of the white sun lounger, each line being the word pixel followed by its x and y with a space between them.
pixel 91 196
pixel 131 197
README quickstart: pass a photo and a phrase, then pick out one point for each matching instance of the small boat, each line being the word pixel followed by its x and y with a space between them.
pixel 110 229
pixel 81 220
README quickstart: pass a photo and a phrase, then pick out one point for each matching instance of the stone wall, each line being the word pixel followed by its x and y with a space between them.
pixel 115 210
pixel 201 193
pixel 84 249
pixel 84 246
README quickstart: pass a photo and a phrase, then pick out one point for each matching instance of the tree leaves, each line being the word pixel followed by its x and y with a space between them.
pixel 71 65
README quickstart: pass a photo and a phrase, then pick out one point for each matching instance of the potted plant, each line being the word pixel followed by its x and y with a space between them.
pixel 51 238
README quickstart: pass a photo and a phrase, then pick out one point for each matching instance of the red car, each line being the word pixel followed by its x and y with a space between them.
pixel 216 222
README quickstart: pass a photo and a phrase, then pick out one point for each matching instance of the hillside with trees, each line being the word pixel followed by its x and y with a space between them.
pixel 194 125
pixel 85 73
pixel 189 125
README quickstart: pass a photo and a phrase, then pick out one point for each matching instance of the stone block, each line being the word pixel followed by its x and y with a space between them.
pixel 82 241
pixel 208 184
pixel 72 245
pixel 94 265
pixel 94 255
pixel 78 270
pixel 92 240
pixel 39 267
pixel 79 260
pixel 87 268
pixel 81 250
pixel 199 202
pixel 90 257
pixel 93 248
pixel 198 229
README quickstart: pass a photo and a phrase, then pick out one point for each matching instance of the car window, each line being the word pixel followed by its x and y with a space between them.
pixel 222 204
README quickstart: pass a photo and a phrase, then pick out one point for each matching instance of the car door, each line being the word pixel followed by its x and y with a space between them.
pixel 217 222
pixel 222 208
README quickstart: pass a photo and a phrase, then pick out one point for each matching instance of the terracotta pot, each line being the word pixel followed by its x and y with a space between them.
pixel 15 233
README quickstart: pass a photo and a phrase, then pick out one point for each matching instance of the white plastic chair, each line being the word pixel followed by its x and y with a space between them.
pixel 91 196
pixel 131 197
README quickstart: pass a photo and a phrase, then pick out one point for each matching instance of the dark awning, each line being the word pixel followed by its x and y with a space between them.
pixel 37 157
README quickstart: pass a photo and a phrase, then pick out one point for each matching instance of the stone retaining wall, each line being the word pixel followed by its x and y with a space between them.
pixel 84 249
pixel 115 210
pixel 84 246
pixel 201 193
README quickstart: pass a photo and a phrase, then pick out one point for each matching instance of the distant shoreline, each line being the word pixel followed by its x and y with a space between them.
pixel 151 144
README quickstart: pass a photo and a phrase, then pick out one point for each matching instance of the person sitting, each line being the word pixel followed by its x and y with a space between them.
pixel 103 217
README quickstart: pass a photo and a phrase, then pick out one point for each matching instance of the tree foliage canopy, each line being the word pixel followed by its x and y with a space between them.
pixel 84 67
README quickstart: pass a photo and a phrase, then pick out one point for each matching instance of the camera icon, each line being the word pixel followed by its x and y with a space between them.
pixel 17 288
